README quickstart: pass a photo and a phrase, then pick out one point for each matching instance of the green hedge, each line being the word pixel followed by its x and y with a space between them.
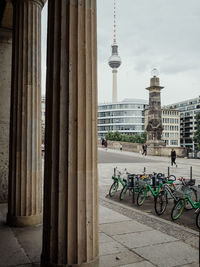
pixel 116 136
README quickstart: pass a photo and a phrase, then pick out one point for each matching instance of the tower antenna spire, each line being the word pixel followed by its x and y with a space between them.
pixel 114 24
pixel 114 60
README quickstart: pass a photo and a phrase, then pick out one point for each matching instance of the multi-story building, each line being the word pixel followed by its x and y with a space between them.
pixel 188 125
pixel 127 117
pixel 171 126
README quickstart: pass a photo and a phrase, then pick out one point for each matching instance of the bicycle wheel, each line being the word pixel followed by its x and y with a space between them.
pixel 193 196
pixel 161 202
pixel 141 196
pixel 198 219
pixel 123 192
pixel 178 209
pixel 113 189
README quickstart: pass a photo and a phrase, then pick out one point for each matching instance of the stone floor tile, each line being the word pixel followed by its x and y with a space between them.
pixel 169 254
pixel 139 264
pixel 123 227
pixel 119 259
pixel 110 248
pixel 108 216
pixel 104 238
pixel 30 239
pixel 10 250
pixel 140 239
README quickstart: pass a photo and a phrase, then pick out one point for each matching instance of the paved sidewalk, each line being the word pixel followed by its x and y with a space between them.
pixel 122 242
pixel 127 242
pixel 127 237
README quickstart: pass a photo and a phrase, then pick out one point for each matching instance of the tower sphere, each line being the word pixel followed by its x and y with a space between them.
pixel 114 60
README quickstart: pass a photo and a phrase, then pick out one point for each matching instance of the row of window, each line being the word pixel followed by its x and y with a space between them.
pixel 121 128
pixel 171 135
pixel 122 106
pixel 171 128
pixel 172 142
pixel 170 120
pixel 168 112
pixel 121 113
pixel 121 120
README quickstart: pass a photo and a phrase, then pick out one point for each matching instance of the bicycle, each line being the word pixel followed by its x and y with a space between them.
pixel 198 218
pixel 185 195
pixel 132 185
pixel 161 201
pixel 149 184
pixel 117 180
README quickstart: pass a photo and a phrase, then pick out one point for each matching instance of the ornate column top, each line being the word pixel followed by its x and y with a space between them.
pixel 39 2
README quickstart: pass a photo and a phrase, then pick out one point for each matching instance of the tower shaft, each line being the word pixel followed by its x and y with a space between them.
pixel 114 90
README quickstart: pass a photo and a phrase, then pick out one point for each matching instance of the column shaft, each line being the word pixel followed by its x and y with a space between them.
pixel 25 131
pixel 70 234
pixel 5 88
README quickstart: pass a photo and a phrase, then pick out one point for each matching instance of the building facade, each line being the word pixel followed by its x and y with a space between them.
pixel 171 126
pixel 126 117
pixel 188 110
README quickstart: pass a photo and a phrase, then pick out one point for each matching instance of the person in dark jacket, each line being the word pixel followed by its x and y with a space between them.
pixel 144 147
pixel 173 157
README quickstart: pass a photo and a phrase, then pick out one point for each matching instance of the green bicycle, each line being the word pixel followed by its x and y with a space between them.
pixel 147 186
pixel 185 196
pixel 117 180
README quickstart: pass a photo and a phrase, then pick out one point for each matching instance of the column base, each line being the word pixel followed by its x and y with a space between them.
pixel 94 263
pixel 23 221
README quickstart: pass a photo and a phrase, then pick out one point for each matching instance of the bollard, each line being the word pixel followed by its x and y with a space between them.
pixel 190 172
pixel 168 171
pixel 144 170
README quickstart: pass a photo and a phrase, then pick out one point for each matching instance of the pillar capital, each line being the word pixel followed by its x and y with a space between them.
pixel 38 2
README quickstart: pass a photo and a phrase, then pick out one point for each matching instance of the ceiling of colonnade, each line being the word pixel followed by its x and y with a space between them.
pixel 6 14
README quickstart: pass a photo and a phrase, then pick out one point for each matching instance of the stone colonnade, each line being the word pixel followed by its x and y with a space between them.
pixel 70 235
pixel 70 221
pixel 25 168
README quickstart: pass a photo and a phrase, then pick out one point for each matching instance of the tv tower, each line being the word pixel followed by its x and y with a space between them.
pixel 114 61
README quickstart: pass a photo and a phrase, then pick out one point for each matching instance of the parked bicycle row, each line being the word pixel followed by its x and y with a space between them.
pixel 163 188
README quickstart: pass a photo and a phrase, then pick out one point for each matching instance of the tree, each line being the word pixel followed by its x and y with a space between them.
pixel 197 133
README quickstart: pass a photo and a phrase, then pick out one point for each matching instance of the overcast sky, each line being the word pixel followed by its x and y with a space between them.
pixel 150 33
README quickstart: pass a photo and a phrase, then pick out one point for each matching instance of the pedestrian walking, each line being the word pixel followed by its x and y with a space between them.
pixel 144 147
pixel 105 144
pixel 102 142
pixel 120 147
pixel 173 157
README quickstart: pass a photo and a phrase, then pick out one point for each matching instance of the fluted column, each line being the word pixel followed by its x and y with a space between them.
pixel 5 88
pixel 24 207
pixel 70 234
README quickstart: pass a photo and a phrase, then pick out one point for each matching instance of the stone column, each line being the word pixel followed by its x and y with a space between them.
pixel 154 126
pixel 5 88
pixel 24 206
pixel 70 234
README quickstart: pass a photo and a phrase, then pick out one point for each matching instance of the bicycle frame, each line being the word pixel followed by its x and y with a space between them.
pixel 195 205
pixel 169 190
pixel 118 179
pixel 154 192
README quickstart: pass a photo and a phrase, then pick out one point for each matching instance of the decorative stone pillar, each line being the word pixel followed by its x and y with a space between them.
pixel 70 233
pixel 154 126
pixel 24 206
pixel 5 88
